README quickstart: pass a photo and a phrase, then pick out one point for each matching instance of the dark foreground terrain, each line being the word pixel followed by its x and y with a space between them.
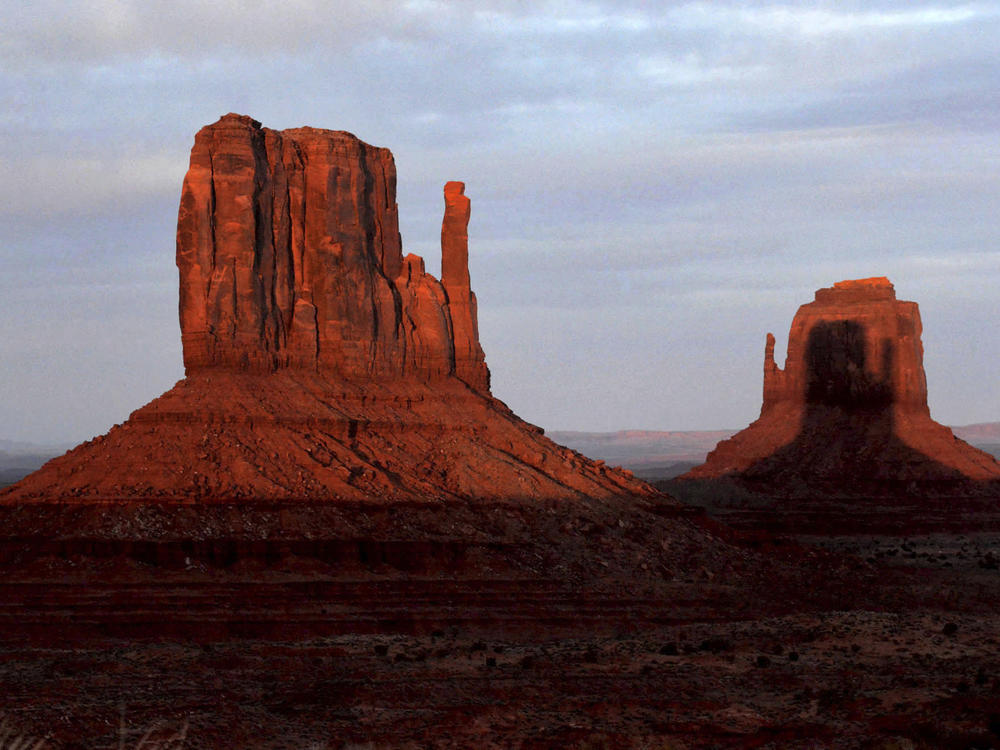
pixel 619 624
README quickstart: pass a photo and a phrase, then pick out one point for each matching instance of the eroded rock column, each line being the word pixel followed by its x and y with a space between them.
pixel 470 362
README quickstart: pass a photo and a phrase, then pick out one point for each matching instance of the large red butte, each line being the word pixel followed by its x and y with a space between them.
pixel 321 363
pixel 289 254
pixel 850 406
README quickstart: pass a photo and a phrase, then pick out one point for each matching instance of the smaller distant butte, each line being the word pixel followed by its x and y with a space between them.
pixel 321 363
pixel 849 409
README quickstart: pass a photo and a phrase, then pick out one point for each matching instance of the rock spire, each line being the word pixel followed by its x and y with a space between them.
pixel 470 364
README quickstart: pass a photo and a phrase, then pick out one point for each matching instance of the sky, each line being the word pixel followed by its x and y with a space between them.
pixel 654 186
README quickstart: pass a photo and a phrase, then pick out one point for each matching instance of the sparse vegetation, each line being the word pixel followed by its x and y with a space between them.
pixel 11 738
pixel 160 735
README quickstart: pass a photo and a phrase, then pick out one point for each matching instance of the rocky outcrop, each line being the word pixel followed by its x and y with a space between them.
pixel 289 255
pixel 321 363
pixel 850 406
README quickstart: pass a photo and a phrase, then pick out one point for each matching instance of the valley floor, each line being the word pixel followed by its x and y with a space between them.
pixel 873 640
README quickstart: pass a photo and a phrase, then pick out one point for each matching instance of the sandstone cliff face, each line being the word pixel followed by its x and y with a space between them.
pixel 855 345
pixel 321 363
pixel 850 405
pixel 289 255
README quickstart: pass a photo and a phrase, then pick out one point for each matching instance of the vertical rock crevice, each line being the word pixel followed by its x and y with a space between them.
pixel 303 267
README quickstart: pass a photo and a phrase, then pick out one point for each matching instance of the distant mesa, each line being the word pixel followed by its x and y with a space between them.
pixel 320 362
pixel 849 409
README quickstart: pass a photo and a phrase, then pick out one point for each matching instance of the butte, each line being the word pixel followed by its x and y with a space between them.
pixel 321 364
pixel 848 413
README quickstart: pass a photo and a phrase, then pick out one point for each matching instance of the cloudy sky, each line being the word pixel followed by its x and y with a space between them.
pixel 654 185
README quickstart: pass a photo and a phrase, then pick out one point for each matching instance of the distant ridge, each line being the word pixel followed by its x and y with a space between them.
pixel 21 448
pixel 662 454
pixel 18 459
pixel 650 454
pixel 980 433
pixel 983 435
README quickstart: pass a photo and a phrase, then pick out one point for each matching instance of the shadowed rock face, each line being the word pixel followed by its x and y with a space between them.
pixel 855 337
pixel 321 363
pixel 850 406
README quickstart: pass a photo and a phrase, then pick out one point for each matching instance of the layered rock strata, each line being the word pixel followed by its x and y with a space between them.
pixel 850 405
pixel 321 363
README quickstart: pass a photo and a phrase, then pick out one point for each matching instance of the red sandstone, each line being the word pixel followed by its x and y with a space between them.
pixel 321 364
pixel 851 402
pixel 289 255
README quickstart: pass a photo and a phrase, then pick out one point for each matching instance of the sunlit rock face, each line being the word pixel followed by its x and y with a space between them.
pixel 321 363
pixel 289 254
pixel 850 405
pixel 470 364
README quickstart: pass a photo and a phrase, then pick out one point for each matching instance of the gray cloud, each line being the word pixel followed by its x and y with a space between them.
pixel 653 188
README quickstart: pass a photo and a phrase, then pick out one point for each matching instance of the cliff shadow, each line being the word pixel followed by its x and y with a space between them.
pixel 847 442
